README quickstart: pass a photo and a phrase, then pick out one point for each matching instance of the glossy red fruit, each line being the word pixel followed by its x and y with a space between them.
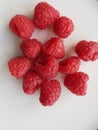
pixel 54 47
pixel 31 82
pixel 19 66
pixel 77 83
pixel 63 27
pixel 50 92
pixel 87 50
pixel 22 26
pixel 44 15
pixel 48 69
pixel 30 48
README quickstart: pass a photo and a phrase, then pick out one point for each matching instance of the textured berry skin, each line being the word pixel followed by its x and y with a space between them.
pixel 77 83
pixel 22 26
pixel 70 65
pixel 41 59
pixel 63 27
pixel 87 50
pixel 54 47
pixel 31 82
pixel 50 92
pixel 44 15
pixel 48 69
pixel 30 48
pixel 19 66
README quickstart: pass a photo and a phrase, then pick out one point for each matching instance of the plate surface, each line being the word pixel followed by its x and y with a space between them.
pixel 19 111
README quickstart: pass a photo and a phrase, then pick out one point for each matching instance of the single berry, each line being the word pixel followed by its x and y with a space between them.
pixel 30 48
pixel 70 65
pixel 54 47
pixel 31 82
pixel 22 26
pixel 50 92
pixel 44 15
pixel 77 83
pixel 48 69
pixel 19 66
pixel 63 27
pixel 87 50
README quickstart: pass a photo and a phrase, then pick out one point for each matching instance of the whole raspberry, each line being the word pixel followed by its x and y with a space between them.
pixel 54 47
pixel 30 48
pixel 70 65
pixel 31 82
pixel 50 92
pixel 44 15
pixel 19 66
pixel 87 50
pixel 48 69
pixel 22 26
pixel 63 27
pixel 77 83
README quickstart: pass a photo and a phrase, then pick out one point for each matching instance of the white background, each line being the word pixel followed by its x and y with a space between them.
pixel 19 111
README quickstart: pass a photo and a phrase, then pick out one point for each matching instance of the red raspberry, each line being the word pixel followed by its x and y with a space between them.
pixel 22 26
pixel 70 65
pixel 30 48
pixel 63 27
pixel 48 69
pixel 44 15
pixel 54 47
pixel 50 92
pixel 31 82
pixel 87 50
pixel 19 66
pixel 77 83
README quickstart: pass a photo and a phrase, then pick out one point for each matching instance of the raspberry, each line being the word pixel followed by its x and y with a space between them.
pixel 22 26
pixel 30 48
pixel 44 15
pixel 48 69
pixel 19 66
pixel 54 47
pixel 87 50
pixel 31 82
pixel 70 65
pixel 50 92
pixel 77 83
pixel 63 27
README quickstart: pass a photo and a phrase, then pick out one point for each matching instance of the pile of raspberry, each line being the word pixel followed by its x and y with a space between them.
pixel 40 63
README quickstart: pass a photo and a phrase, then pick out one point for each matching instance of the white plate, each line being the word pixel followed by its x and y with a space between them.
pixel 19 111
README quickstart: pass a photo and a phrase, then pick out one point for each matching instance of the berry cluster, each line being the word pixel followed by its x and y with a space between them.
pixel 40 63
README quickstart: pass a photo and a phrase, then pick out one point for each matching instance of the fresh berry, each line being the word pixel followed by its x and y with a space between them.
pixel 44 15
pixel 30 48
pixel 22 26
pixel 50 92
pixel 70 65
pixel 63 27
pixel 48 69
pixel 87 50
pixel 19 66
pixel 31 82
pixel 54 47
pixel 77 83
